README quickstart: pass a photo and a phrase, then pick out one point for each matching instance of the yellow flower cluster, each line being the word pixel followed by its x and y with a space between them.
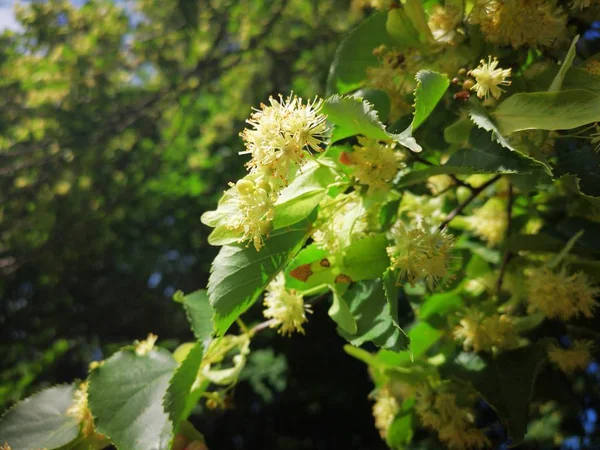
pixel 281 134
pixel 80 411
pixel 454 424
pixel 482 333
pixel 490 221
pixel 559 295
pixel 285 306
pixel 520 22
pixel 375 163
pixel 443 22
pixel 592 66
pixel 252 211
pixel 420 254
pixel 384 411
pixel 578 357
pixel 144 347
pixel 489 77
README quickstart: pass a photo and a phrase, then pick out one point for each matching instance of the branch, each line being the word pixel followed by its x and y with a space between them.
pixel 461 182
pixel 476 191
pixel 454 177
pixel 261 326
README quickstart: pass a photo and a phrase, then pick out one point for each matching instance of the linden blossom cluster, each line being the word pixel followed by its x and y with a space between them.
pixel 455 425
pixel 482 333
pixel 280 139
pixel 285 307
pixel 520 22
pixel 281 133
pixel 420 254
pixel 376 163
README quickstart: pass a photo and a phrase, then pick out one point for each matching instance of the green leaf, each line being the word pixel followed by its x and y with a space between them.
pixel 458 132
pixel 340 312
pixel 362 355
pixel 126 399
pixel 400 431
pixel 305 271
pixel 199 313
pixel 440 304
pixel 487 156
pixel 572 183
pixel 392 293
pixel 422 337
pixel 371 311
pixel 581 79
pixel 240 274
pixel 379 99
pixel 352 117
pixel 300 198
pixel 575 78
pixel 367 258
pixel 401 30
pixel 480 118
pixel 582 162
pixel 388 213
pixel 566 65
pixel 430 89
pixel 561 110
pixel 484 156
pixel 40 421
pixel 222 235
pixel 506 383
pixel 180 386
pixel 416 13
pixel 421 176
pixel 355 54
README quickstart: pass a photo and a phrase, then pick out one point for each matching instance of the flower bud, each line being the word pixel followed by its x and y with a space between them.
pixel 244 187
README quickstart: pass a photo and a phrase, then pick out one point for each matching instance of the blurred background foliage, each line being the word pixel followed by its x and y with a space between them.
pixel 119 126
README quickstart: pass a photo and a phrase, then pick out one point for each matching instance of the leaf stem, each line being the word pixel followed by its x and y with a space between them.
pixel 261 326
pixel 242 326
pixel 474 193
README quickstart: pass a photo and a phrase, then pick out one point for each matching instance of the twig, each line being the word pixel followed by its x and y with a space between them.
pixel 261 326
pixel 507 254
pixel 461 182
pixel 454 177
pixel 476 191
